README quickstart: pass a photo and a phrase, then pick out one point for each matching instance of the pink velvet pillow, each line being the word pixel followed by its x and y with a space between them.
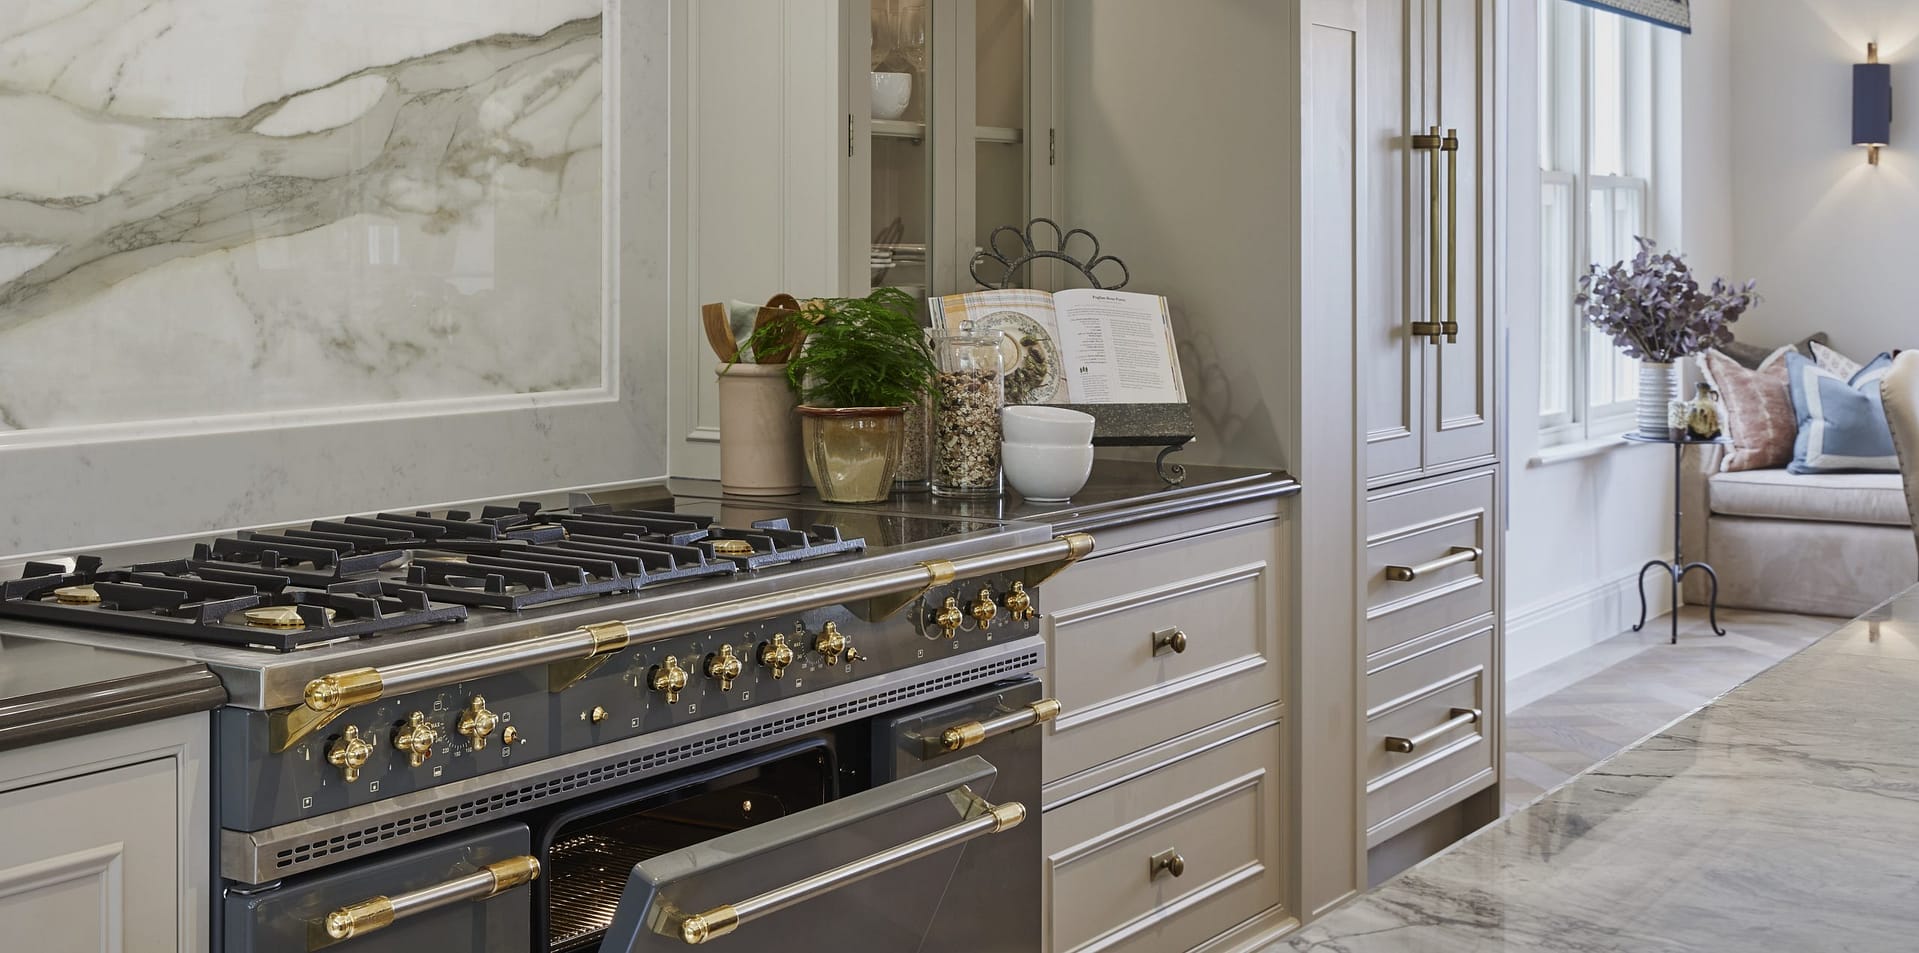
pixel 1759 414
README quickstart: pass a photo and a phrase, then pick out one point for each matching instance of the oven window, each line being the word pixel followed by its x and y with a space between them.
pixel 591 856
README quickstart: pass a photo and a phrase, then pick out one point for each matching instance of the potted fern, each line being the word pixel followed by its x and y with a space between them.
pixel 865 360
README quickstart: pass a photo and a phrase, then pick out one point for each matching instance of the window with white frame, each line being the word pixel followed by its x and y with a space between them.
pixel 1596 161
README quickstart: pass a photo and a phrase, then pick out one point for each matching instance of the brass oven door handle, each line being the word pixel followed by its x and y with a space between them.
pixel 1460 718
pixel 724 919
pixel 326 697
pixel 1431 143
pixel 378 913
pixel 967 734
pixel 1458 555
pixel 1450 327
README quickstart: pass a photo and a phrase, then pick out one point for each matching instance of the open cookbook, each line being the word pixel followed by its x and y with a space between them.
pixel 1084 346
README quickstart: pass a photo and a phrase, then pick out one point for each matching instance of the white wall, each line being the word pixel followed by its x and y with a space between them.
pixel 1581 528
pixel 1830 239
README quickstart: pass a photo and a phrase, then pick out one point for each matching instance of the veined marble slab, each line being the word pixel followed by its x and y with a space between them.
pixel 1782 817
pixel 213 207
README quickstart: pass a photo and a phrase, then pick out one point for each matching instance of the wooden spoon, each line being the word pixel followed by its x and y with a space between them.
pixel 719 332
pixel 784 347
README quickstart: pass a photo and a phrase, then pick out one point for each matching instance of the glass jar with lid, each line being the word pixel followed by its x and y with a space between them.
pixel 966 420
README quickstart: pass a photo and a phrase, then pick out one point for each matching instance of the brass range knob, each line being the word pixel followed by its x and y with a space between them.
pixel 417 739
pixel 777 655
pixel 1019 605
pixel 669 679
pixel 984 608
pixel 598 714
pixel 832 643
pixel 476 723
pixel 349 754
pixel 949 617
pixel 724 666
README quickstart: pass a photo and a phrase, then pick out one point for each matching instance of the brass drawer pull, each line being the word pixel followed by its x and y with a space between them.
pixel 1167 861
pixel 1458 555
pixel 724 919
pixel 1460 718
pixel 378 913
pixel 967 734
pixel 1169 640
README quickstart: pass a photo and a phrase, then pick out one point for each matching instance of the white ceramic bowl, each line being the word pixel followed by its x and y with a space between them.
pixel 1046 474
pixel 1027 423
pixel 891 93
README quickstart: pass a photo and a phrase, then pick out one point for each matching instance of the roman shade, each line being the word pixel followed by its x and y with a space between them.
pixel 1676 14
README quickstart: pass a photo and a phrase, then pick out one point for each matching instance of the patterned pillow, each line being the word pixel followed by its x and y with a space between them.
pixel 1759 415
pixel 1842 423
pixel 1838 364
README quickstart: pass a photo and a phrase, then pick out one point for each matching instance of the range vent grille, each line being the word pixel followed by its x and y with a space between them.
pixel 460 814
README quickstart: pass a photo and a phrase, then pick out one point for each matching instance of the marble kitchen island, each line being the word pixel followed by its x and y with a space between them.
pixel 1782 816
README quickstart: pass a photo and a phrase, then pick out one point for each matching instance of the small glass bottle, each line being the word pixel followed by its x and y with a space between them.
pixel 966 426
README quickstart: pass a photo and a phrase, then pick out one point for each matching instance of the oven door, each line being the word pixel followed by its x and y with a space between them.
pixel 914 863
pixel 465 892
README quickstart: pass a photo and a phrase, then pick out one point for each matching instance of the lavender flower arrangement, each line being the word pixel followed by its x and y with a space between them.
pixel 1654 309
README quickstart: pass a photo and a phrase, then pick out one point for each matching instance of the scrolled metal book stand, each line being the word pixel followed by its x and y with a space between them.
pixel 1167 426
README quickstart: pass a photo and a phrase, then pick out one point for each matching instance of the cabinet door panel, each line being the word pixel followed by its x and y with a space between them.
pixel 90 863
pixel 1459 406
pixel 1392 280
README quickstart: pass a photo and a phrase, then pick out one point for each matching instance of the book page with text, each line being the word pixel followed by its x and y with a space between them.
pixel 1118 347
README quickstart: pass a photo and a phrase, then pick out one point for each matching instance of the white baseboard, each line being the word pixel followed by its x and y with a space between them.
pixel 1550 630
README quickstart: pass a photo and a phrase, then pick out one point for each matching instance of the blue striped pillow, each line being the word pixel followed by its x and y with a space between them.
pixel 1842 424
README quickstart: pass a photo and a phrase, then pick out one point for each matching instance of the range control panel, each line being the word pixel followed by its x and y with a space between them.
pixel 417 741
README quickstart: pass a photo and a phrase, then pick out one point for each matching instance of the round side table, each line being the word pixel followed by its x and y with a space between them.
pixel 1679 567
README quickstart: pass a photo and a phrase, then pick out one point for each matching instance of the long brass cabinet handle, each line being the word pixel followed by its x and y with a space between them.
pixel 1431 143
pixel 1450 146
pixel 1458 555
pixel 967 734
pixel 724 919
pixel 378 913
pixel 1460 718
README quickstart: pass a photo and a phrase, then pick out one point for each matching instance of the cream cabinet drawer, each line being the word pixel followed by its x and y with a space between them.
pixel 1429 559
pixel 1154 643
pixel 1427 732
pixel 1172 858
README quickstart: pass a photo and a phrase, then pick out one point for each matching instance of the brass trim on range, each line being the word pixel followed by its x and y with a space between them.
pixel 378 913
pixel 328 696
pixel 967 734
pixel 1459 718
pixel 1456 556
pixel 719 921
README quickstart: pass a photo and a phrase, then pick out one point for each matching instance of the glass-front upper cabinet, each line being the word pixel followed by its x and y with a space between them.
pixel 950 135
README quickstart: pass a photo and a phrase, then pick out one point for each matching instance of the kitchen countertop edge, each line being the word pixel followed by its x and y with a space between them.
pixel 84 709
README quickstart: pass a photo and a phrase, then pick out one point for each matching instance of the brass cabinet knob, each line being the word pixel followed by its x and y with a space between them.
pixel 984 608
pixel 833 644
pixel 777 655
pixel 725 666
pixel 1167 861
pixel 1019 605
pixel 670 679
pixel 418 739
pixel 1169 640
pixel 477 723
pixel 949 617
pixel 349 754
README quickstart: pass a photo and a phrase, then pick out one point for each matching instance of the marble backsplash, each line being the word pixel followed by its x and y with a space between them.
pixel 214 207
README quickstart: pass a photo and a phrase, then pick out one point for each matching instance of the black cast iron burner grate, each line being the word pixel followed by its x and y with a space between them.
pixel 776 542
pixel 180 600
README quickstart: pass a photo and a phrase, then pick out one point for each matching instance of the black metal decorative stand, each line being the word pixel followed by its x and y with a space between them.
pixel 1167 426
pixel 1678 568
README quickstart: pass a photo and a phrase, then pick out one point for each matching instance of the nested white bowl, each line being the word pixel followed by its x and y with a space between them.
pixel 891 93
pixel 1050 426
pixel 1046 473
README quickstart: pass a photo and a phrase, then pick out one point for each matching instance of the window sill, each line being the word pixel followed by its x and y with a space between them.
pixel 1580 450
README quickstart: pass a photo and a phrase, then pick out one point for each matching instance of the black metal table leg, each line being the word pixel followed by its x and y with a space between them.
pixel 1642 592
pixel 1712 603
pixel 1679 567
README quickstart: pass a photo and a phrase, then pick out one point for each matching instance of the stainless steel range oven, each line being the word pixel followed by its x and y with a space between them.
pixel 903 831
pixel 624 723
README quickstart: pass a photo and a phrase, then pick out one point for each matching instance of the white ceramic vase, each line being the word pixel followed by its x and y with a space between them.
pixel 1658 387
pixel 759 431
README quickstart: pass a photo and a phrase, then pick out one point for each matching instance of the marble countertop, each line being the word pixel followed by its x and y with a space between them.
pixel 1784 816
pixel 53 690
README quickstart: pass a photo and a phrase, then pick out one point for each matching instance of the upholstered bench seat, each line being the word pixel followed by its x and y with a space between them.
pixel 1876 499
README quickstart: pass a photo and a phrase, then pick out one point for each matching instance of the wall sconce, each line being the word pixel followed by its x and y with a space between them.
pixel 1871 103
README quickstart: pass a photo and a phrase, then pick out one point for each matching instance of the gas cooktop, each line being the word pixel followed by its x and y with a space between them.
pixel 360 576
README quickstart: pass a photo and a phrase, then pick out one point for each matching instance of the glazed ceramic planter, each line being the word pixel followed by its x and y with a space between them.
pixel 852 452
pixel 759 437
pixel 1658 388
